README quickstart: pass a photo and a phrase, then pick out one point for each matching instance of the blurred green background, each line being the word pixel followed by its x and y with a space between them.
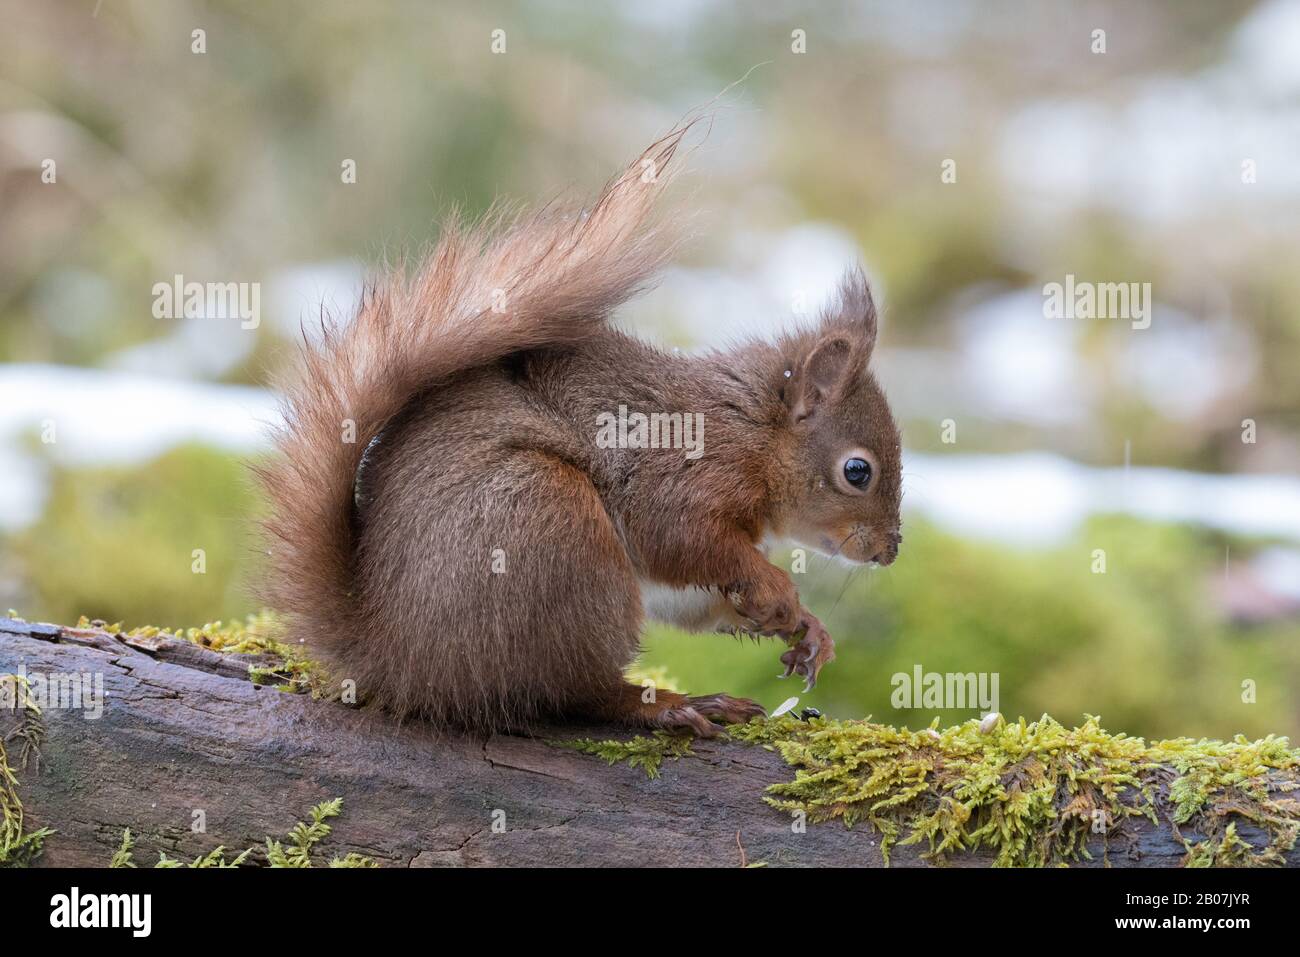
pixel 1169 158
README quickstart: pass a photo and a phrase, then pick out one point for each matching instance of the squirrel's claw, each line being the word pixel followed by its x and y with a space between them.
pixel 689 719
pixel 695 714
pixel 725 708
pixel 808 652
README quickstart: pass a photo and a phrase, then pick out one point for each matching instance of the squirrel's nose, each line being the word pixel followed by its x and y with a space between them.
pixel 887 554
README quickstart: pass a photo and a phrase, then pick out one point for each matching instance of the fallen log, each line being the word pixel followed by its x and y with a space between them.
pixel 185 737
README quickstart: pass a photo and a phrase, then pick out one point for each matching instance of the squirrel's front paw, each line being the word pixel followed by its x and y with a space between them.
pixel 809 651
pixel 769 606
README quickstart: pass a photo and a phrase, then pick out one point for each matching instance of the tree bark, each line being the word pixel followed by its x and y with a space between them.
pixel 184 730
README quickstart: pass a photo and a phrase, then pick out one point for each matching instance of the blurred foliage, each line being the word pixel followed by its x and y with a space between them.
pixel 1141 645
pixel 226 164
pixel 118 543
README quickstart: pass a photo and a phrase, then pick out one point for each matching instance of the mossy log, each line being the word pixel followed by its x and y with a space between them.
pixel 184 730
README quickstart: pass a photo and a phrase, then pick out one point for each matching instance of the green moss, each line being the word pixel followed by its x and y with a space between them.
pixel 124 855
pixel 639 752
pixel 18 846
pixel 1033 792
pixel 215 858
pixel 260 634
pixel 294 851
pixel 304 837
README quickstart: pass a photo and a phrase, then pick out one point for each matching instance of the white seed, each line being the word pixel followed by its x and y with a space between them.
pixel 785 706
pixel 932 734
pixel 990 722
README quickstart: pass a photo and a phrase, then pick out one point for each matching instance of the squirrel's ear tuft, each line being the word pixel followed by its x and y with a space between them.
pixel 857 310
pixel 821 373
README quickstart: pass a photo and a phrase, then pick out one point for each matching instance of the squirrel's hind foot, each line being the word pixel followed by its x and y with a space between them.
pixel 667 709
pixel 701 714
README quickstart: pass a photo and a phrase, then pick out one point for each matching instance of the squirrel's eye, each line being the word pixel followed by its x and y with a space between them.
pixel 858 472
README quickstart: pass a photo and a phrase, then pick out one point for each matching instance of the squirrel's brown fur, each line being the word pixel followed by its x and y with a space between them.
pixel 448 533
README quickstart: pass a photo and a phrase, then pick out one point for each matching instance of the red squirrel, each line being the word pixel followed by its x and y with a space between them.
pixel 449 534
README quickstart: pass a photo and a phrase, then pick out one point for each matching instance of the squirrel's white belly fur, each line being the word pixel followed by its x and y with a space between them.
pixel 692 609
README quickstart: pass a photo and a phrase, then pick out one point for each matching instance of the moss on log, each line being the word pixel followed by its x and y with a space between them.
pixel 204 726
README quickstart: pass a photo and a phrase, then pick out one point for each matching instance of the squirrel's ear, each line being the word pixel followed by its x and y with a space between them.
pixel 858 308
pixel 824 368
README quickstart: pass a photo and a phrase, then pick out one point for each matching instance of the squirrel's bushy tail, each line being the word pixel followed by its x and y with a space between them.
pixel 485 291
